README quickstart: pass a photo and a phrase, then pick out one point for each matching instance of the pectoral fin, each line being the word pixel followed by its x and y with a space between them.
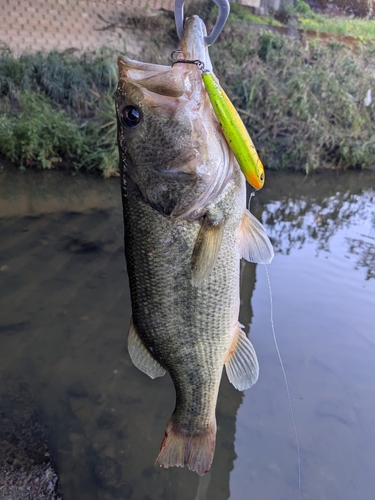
pixel 255 245
pixel 206 249
pixel 242 364
pixel 141 356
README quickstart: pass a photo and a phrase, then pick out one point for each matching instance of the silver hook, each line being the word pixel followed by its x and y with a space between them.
pixel 224 9
pixel 176 59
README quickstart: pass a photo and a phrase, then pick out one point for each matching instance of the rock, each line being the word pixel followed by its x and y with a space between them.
pixel 26 468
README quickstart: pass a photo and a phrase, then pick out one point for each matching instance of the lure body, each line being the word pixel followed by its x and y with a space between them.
pixel 235 132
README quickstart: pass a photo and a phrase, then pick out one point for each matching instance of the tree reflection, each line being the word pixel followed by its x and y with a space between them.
pixel 365 253
pixel 315 216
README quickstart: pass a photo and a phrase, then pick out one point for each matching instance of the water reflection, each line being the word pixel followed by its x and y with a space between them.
pixel 324 302
pixel 364 250
pixel 312 215
pixel 64 312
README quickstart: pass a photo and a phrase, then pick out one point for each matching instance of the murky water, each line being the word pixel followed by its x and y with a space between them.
pixel 64 311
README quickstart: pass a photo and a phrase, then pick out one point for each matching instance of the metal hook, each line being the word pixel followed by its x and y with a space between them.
pixel 224 9
pixel 175 58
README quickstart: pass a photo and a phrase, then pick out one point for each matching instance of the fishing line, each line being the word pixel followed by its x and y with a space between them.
pixel 286 383
pixel 251 195
pixel 282 369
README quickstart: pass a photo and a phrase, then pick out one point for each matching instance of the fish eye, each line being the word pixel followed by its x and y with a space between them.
pixel 131 116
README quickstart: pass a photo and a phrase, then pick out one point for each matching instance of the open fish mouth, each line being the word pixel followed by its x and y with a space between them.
pixel 182 77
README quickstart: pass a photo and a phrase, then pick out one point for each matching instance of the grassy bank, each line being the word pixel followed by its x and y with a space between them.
pixel 303 102
pixel 361 28
pixel 58 110
pixel 307 19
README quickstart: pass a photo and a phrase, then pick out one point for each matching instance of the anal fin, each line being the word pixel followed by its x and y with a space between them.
pixel 242 364
pixel 206 249
pixel 141 356
pixel 255 245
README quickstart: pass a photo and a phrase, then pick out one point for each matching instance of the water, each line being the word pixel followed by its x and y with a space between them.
pixel 64 312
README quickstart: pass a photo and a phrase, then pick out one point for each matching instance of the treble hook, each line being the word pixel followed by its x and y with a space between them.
pixel 224 9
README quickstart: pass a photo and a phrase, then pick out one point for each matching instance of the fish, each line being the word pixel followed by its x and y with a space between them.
pixel 186 229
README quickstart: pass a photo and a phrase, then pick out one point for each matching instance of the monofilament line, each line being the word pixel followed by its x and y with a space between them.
pixel 286 385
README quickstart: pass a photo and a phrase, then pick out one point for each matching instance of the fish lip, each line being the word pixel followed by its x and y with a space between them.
pixel 130 64
pixel 193 47
pixel 193 44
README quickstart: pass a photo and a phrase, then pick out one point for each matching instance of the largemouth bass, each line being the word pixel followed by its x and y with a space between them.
pixel 186 229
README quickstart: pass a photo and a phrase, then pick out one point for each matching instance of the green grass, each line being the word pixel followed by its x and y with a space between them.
pixel 241 13
pixel 362 28
pixel 58 109
pixel 303 104
pixel 71 81
pixel 102 132
pixel 37 133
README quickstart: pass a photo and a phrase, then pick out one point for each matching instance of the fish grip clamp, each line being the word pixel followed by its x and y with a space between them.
pixel 224 9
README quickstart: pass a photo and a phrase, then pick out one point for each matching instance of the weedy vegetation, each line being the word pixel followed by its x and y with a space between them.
pixel 361 28
pixel 241 13
pixel 34 132
pixel 58 110
pixel 303 101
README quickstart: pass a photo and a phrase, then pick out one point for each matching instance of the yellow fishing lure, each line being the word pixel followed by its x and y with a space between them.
pixel 231 124
pixel 234 131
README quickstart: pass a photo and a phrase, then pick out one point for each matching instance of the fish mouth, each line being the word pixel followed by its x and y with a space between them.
pixel 181 78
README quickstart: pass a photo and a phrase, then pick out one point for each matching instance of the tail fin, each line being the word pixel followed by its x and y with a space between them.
pixel 180 448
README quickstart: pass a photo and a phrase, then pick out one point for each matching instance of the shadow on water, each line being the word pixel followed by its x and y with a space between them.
pixel 64 312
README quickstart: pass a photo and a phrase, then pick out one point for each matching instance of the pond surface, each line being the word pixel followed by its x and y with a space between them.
pixel 65 309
